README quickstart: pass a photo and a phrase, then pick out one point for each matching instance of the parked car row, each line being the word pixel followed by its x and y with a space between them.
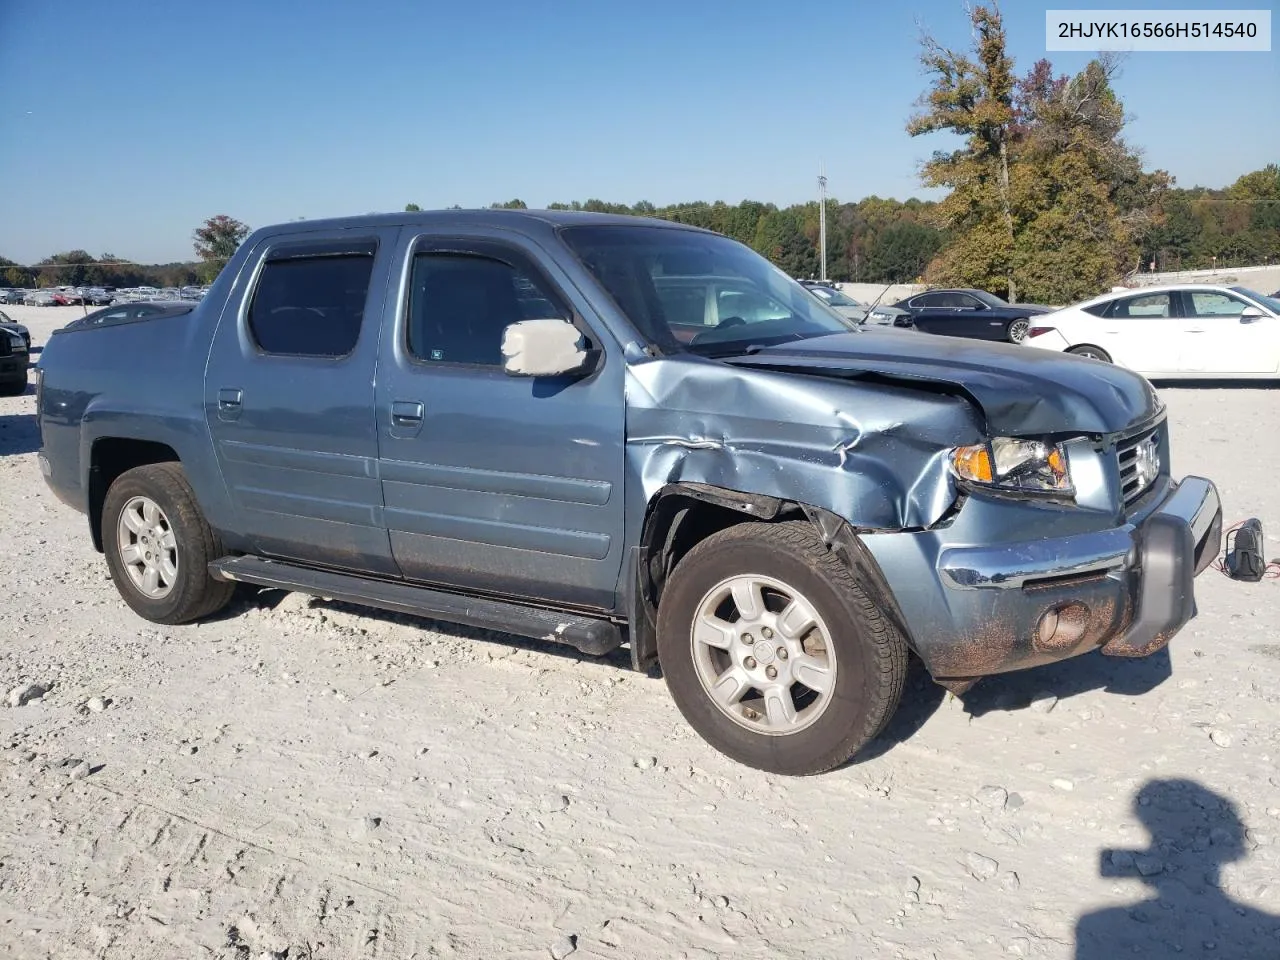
pixel 136 294
pixel 1180 331
pixel 97 296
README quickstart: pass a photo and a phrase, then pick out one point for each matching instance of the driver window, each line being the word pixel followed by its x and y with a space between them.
pixel 460 304
pixel 966 302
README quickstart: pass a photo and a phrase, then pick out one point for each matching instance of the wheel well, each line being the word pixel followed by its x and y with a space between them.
pixel 1088 346
pixel 110 457
pixel 682 515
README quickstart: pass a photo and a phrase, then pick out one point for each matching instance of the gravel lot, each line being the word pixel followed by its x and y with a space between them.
pixel 301 779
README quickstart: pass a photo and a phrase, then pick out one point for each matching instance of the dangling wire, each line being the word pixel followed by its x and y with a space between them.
pixel 1270 572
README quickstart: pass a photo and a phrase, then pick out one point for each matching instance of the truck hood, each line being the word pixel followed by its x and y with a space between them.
pixel 1021 390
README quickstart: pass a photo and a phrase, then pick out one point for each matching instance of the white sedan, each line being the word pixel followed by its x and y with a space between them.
pixel 1182 332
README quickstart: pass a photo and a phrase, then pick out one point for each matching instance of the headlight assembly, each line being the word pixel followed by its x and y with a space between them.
pixel 1007 463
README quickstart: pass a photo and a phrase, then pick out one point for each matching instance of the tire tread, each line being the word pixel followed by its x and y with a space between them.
pixel 170 480
pixel 886 643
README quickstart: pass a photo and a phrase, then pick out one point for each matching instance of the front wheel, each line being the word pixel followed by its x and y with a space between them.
pixel 1017 331
pixel 159 546
pixel 774 652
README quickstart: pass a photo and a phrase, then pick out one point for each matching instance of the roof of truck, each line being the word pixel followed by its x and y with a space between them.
pixel 518 219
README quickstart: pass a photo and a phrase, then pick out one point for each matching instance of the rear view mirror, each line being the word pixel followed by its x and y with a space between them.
pixel 1251 314
pixel 549 347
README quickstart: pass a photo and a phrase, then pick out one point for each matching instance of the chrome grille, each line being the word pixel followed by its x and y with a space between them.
pixel 1136 476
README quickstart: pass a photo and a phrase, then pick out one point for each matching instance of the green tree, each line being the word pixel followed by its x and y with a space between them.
pixel 218 238
pixel 411 208
pixel 973 97
pixel 70 268
pixel 510 205
pixel 14 274
pixel 901 251
pixel 1080 196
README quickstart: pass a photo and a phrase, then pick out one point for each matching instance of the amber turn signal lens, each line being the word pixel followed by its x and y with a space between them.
pixel 973 463
pixel 1058 464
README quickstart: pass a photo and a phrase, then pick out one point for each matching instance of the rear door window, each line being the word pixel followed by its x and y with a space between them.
pixel 1145 305
pixel 311 305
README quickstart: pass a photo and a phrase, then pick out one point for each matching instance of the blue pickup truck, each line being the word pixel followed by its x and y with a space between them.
pixel 606 431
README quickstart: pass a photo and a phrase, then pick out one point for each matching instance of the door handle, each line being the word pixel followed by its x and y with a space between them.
pixel 407 413
pixel 230 398
pixel 1195 330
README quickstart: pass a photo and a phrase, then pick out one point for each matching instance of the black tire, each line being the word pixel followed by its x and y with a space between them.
pixel 1089 350
pixel 15 389
pixel 870 654
pixel 1016 331
pixel 194 594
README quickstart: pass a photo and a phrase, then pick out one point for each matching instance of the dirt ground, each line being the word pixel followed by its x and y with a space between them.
pixel 308 780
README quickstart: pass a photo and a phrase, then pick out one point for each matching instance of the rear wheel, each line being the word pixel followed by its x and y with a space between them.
pixel 1092 352
pixel 158 546
pixel 1017 331
pixel 15 388
pixel 773 651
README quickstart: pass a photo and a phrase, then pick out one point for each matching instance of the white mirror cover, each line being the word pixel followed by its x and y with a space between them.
pixel 542 348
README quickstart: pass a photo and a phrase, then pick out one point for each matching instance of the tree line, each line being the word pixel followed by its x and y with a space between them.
pixel 215 241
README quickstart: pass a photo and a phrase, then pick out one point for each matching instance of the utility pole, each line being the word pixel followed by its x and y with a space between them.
pixel 822 220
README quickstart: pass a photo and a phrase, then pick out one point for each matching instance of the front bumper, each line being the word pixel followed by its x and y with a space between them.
pixel 1007 606
pixel 13 369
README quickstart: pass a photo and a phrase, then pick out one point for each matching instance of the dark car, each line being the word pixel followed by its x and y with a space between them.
pixel 14 327
pixel 971 313
pixel 13 363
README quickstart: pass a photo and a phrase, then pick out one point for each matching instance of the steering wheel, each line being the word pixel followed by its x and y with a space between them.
pixel 722 325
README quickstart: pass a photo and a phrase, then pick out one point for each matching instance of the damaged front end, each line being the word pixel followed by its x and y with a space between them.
pixel 710 444
pixel 979 580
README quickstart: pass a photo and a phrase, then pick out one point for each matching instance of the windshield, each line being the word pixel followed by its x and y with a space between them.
pixel 701 292
pixel 1271 303
pixel 833 297
pixel 990 299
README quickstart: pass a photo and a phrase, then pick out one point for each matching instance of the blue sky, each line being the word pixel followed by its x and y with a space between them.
pixel 123 125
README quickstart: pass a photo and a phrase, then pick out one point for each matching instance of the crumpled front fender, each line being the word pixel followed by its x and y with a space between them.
pixel 871 454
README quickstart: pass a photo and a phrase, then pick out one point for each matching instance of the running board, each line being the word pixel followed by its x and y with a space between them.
pixel 588 635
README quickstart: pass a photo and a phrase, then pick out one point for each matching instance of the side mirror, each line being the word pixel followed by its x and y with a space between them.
pixel 548 347
pixel 1251 315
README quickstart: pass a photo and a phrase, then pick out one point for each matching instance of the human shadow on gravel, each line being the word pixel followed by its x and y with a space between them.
pixel 18 434
pixel 1191 913
pixel 1124 676
pixel 271 598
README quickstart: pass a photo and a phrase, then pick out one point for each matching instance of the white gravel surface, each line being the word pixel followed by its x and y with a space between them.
pixel 299 779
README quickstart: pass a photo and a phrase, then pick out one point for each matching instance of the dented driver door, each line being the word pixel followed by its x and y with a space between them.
pixel 495 483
